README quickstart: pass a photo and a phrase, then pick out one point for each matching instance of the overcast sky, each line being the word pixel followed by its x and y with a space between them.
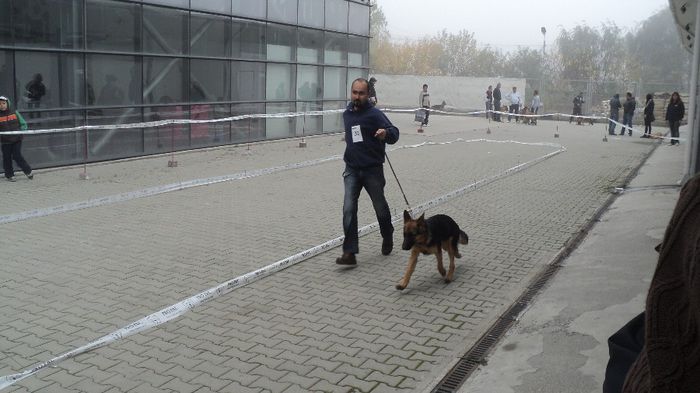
pixel 507 24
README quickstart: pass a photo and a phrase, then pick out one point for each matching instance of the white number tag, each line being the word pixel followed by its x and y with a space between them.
pixel 356 134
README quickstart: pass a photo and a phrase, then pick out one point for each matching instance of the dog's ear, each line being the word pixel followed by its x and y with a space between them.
pixel 421 218
pixel 406 216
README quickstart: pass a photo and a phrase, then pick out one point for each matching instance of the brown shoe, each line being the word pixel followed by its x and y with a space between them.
pixel 347 259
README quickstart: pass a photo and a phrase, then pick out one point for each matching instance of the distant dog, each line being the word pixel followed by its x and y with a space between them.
pixel 431 236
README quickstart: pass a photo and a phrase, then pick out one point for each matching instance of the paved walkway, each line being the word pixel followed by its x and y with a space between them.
pixel 72 277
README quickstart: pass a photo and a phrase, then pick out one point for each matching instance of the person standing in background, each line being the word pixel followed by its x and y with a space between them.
pixel 497 102
pixel 424 102
pixel 648 116
pixel 514 98
pixel 628 113
pixel 489 101
pixel 674 114
pixel 535 106
pixel 615 106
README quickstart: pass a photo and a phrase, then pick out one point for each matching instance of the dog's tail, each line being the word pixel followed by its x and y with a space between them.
pixel 463 238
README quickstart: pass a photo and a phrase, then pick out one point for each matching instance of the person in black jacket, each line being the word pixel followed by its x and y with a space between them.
pixel 648 116
pixel 497 102
pixel 367 131
pixel 615 106
pixel 674 114
pixel 11 120
pixel 628 113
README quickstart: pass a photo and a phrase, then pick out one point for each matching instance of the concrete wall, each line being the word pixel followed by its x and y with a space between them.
pixel 460 93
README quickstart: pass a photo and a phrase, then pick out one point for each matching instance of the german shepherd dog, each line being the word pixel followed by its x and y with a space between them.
pixel 431 236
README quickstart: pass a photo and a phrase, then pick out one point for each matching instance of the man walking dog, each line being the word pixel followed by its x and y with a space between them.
pixel 367 131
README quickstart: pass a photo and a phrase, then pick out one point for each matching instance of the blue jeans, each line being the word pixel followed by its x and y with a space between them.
pixel 611 127
pixel 372 179
pixel 627 123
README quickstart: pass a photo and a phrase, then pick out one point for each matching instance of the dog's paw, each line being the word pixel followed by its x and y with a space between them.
pixel 443 272
pixel 458 255
pixel 400 287
pixel 448 280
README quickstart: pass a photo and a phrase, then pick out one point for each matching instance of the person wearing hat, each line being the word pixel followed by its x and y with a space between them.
pixel 372 91
pixel 11 120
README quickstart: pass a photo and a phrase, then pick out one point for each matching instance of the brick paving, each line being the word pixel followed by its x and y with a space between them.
pixel 70 278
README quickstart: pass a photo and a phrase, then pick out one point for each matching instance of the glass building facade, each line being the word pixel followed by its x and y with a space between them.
pixel 70 63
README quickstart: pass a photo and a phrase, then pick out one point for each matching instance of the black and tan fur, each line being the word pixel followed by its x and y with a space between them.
pixel 431 236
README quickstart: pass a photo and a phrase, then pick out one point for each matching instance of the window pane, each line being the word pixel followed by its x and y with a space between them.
pixel 170 137
pixel 309 82
pixel 55 24
pixel 311 13
pixel 164 80
pixel 248 81
pixel 282 10
pixel 334 83
pixel 248 39
pixel 220 6
pixel 279 82
pixel 116 80
pixel 54 149
pixel 337 15
pixel 254 9
pixel 280 127
pixel 281 41
pixel 358 51
pixel 209 134
pixel 113 26
pixel 309 124
pixel 309 46
pixel 7 85
pixel 359 19
pixel 113 142
pixel 247 130
pixel 5 28
pixel 164 30
pixel 210 35
pixel 49 80
pixel 333 122
pixel 209 80
pixel 336 48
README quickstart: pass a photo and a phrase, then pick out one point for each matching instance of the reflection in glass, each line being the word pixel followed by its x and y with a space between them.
pixel 210 35
pixel 337 15
pixel 169 137
pixel 282 10
pixel 247 130
pixel 280 127
pixel 309 124
pixel 248 39
pixel 54 149
pixel 310 46
pixel 164 30
pixel 334 83
pixel 311 13
pixel 333 122
pixel 248 81
pixel 253 9
pixel 209 80
pixel 40 23
pixel 336 48
pixel 115 80
pixel 279 82
pixel 113 26
pixel 113 142
pixel 219 6
pixel 49 80
pixel 358 51
pixel 359 19
pixel 7 85
pixel 309 83
pixel 281 41
pixel 165 79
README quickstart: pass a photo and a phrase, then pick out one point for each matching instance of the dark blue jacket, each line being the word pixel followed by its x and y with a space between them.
pixel 370 152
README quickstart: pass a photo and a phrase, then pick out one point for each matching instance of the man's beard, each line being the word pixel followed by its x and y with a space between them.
pixel 357 103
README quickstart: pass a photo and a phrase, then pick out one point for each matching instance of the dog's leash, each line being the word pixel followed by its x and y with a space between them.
pixel 397 181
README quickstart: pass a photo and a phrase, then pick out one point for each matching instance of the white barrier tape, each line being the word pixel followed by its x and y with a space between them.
pixel 180 308
pixel 160 123
pixel 622 126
